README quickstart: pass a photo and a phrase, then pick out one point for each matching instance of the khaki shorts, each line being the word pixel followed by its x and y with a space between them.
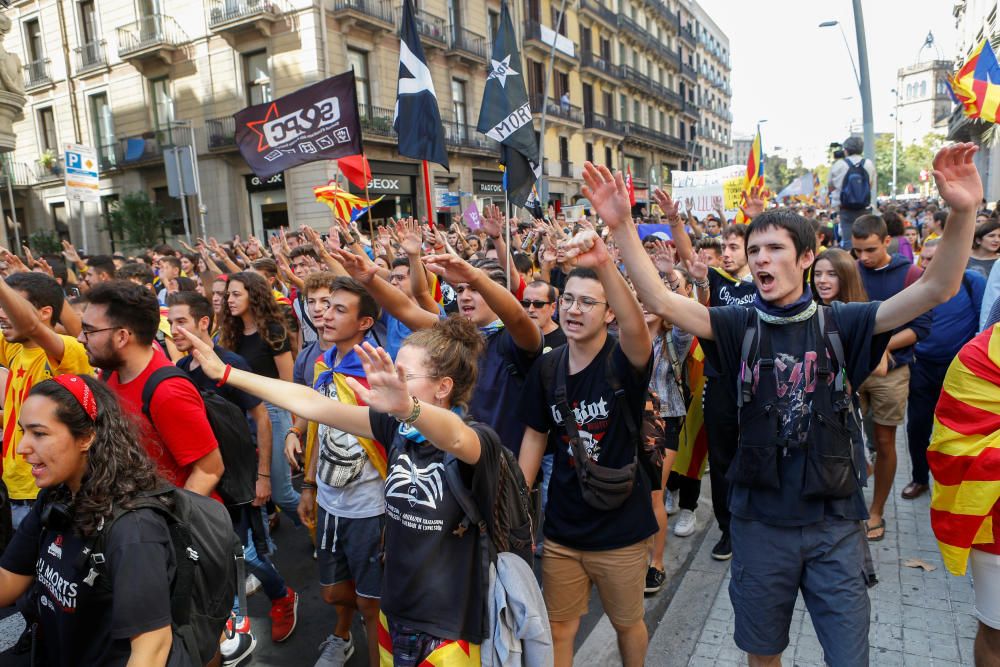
pixel 620 576
pixel 886 396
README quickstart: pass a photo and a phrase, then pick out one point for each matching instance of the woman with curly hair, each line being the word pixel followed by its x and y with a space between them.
pixel 86 457
pixel 253 326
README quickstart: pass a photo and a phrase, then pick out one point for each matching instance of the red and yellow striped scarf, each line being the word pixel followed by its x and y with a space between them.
pixel 964 453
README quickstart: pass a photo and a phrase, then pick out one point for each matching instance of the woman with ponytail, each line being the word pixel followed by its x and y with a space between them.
pixel 87 458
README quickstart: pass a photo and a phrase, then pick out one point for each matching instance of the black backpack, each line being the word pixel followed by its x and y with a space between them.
pixel 231 430
pixel 856 192
pixel 511 528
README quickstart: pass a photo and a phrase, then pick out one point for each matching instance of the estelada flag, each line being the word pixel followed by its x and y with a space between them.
pixel 755 174
pixel 977 84
pixel 340 201
pixel 318 122
pixel 964 454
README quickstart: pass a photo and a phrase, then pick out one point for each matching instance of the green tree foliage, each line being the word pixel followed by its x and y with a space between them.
pixel 45 242
pixel 137 220
pixel 911 159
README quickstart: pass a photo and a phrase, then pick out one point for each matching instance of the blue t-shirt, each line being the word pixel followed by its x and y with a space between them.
pixel 795 349
pixel 302 371
pixel 956 321
pixel 503 367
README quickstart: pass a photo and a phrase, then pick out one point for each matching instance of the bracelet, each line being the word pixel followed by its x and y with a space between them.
pixel 415 413
pixel 225 376
pixel 309 485
pixel 260 474
pixel 294 429
pixel 701 284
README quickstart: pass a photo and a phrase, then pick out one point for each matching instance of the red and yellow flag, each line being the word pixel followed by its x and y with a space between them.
pixel 451 653
pixel 964 454
pixel 755 174
pixel 692 449
pixel 976 85
pixel 340 201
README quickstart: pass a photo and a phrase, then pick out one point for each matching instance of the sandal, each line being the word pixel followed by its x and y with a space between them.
pixel 870 529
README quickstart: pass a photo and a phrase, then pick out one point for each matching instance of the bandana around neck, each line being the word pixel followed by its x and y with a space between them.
pixel 799 311
pixel 491 328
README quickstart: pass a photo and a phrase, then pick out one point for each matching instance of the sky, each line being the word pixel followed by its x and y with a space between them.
pixel 796 75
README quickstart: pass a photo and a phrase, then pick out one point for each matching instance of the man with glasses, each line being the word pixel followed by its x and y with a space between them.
pixel 32 351
pixel 540 303
pixel 584 545
pixel 119 327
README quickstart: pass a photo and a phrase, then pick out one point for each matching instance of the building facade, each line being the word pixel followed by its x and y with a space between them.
pixel 714 145
pixel 924 100
pixel 133 78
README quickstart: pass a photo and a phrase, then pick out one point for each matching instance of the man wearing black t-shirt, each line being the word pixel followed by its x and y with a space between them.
pixel 788 536
pixel 585 546
pixel 539 303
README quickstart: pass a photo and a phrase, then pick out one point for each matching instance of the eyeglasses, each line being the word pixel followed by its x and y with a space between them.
pixel 87 334
pixel 410 376
pixel 584 303
pixel 529 303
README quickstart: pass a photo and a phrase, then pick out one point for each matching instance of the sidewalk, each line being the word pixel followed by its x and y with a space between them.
pixel 918 618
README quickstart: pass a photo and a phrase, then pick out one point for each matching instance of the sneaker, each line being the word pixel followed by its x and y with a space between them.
pixel 723 549
pixel 253 585
pixel 686 524
pixel 284 616
pixel 236 648
pixel 654 580
pixel 335 652
pixel 671 500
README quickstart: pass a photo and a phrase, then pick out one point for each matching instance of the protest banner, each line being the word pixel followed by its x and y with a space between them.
pixel 700 190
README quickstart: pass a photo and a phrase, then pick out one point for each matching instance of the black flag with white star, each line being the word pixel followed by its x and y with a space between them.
pixel 417 118
pixel 505 114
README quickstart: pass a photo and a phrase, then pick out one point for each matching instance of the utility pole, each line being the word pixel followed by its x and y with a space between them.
pixel 865 85
pixel 544 194
pixel 895 139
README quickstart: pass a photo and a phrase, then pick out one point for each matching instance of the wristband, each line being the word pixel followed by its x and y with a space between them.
pixel 225 376
pixel 415 413
pixel 701 284
pixel 260 474
pixel 294 429
pixel 309 485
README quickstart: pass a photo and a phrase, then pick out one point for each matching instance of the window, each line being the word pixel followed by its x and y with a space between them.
pixel 88 22
pixel 47 139
pixel 586 41
pixel 562 84
pixel 107 201
pixel 556 22
pixel 33 40
pixel 923 89
pixel 636 112
pixel 163 108
pixel 589 152
pixel 623 107
pixel 102 129
pixel 358 61
pixel 494 25
pixel 458 107
pixel 607 157
pixel 60 220
pixel 257 77
pixel 173 215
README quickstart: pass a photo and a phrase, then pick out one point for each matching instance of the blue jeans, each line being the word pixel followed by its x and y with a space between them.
pixel 847 218
pixel 926 380
pixel 259 565
pixel 283 493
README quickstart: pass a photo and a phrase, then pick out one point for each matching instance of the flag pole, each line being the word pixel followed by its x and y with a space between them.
pixel 368 200
pixel 506 201
pixel 427 193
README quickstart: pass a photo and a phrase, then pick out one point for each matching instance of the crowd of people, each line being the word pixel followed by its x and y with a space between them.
pixel 383 377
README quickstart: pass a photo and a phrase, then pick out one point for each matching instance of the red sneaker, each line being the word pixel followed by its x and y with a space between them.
pixel 284 616
pixel 243 627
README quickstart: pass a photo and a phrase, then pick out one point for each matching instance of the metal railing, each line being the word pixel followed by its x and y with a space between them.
pixel 148 146
pixel 226 11
pixel 470 42
pixel 533 31
pixel 376 9
pixel 107 157
pixel 687 35
pixel 149 32
pixel 589 59
pixel 461 135
pixel 21 174
pixel 431 27
pixel 90 55
pixel 36 73
pixel 376 121
pixel 50 172
pixel 689 71
pixel 653 136
pixel 596 121
pixel 596 8
pixel 557 109
pixel 221 132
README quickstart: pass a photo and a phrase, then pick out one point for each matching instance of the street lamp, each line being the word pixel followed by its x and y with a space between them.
pixel 895 140
pixel 861 75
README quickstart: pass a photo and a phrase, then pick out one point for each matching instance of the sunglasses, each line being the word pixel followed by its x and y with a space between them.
pixel 531 302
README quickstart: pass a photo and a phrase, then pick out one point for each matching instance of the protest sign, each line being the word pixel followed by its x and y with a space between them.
pixel 701 190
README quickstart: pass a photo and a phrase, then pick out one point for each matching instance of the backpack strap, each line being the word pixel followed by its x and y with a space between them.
pixel 747 352
pixel 619 397
pixel 155 379
pixel 828 333
pixel 676 364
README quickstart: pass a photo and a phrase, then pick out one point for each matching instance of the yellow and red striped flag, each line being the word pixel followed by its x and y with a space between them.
pixel 692 449
pixel 755 174
pixel 964 454
pixel 340 201
pixel 977 84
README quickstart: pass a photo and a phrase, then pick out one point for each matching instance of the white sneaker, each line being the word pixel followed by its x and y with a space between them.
pixel 671 500
pixel 335 652
pixel 686 523
pixel 236 648
pixel 253 585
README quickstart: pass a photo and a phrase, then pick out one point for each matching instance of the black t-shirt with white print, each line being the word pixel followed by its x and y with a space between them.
pixel 568 519
pixel 431 580
pixel 79 625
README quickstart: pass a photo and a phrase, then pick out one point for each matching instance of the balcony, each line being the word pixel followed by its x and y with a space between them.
pixel 142 148
pixel 556 110
pixel 688 36
pixel 221 133
pixel 90 57
pixel 238 18
pixel 602 66
pixel 154 38
pixel 22 174
pixel 660 7
pixel 541 37
pixel 597 9
pixel 376 122
pixel 107 157
pixel 601 123
pixel 375 16
pixel 50 173
pixel 689 71
pixel 467 46
pixel 433 29
pixel 36 74
pixel 459 137
pixel 644 135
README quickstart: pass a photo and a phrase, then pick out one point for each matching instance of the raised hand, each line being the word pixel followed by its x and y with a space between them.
pixel 452 268
pixel 40 263
pixel 697 267
pixel 957 178
pixel 492 220
pixel 70 253
pixel 386 391
pixel 669 207
pixel 587 249
pixel 607 193
pixel 663 257
pixel 410 236
pixel 753 202
pixel 361 269
pixel 210 362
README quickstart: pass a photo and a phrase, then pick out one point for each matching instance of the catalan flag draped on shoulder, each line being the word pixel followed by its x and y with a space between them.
pixel 327 370
pixel 755 174
pixel 976 85
pixel 964 454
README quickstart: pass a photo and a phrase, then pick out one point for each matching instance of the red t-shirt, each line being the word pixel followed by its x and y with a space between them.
pixel 182 434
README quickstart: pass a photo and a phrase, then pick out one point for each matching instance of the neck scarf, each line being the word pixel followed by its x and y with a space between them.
pixel 799 311
pixel 491 328
pixel 350 364
pixel 410 432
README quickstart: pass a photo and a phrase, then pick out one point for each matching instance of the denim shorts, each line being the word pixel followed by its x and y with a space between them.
pixel 825 561
pixel 350 550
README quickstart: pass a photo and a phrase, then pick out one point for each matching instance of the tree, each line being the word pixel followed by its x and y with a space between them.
pixel 910 160
pixel 137 220
pixel 45 242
